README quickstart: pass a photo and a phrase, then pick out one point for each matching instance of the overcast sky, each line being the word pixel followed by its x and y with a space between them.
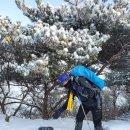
pixel 9 8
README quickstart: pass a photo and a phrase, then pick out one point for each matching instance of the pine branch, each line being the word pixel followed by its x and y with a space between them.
pixel 114 57
pixel 70 2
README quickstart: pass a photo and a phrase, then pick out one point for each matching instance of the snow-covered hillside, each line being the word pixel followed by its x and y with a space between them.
pixel 60 124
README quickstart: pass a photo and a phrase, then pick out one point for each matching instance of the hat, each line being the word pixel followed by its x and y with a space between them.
pixel 62 78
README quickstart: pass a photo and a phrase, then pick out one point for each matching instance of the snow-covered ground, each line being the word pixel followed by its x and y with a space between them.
pixel 60 124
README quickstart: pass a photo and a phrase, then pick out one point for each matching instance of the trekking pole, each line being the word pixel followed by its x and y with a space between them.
pixel 84 113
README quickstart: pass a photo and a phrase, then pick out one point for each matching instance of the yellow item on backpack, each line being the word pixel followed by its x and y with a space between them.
pixel 70 102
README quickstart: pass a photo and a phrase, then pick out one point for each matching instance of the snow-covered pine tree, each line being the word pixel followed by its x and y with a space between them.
pixel 68 36
pixel 12 89
pixel 104 16
pixel 58 40
pixel 81 14
pixel 118 81
pixel 116 100
pixel 57 44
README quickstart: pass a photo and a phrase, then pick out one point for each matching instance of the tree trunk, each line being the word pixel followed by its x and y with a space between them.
pixel 45 114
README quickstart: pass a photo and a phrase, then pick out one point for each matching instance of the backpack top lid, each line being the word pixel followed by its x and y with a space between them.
pixel 90 75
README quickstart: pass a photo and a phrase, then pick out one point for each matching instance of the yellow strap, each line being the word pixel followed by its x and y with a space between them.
pixel 70 102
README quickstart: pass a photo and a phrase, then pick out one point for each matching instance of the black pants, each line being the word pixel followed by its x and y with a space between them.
pixel 96 113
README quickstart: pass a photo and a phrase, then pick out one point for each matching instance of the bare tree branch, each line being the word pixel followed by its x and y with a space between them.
pixel 114 57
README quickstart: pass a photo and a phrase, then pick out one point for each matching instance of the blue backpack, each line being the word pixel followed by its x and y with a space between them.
pixel 88 74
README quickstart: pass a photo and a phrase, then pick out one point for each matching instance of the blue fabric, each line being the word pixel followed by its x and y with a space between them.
pixel 77 88
pixel 90 75
pixel 62 78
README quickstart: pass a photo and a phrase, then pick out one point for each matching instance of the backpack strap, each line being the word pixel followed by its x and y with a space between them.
pixel 86 84
pixel 76 86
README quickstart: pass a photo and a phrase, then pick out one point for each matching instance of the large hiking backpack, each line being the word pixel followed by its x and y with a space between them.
pixel 83 87
pixel 88 74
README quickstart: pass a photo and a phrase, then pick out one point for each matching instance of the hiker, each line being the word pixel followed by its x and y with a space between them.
pixel 86 91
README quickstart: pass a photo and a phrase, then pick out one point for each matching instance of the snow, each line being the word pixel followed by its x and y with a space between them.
pixel 60 124
pixel 117 125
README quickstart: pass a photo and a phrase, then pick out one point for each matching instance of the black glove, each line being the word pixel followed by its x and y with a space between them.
pixel 56 115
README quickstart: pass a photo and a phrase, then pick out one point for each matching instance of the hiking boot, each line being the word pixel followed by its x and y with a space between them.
pixel 78 125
